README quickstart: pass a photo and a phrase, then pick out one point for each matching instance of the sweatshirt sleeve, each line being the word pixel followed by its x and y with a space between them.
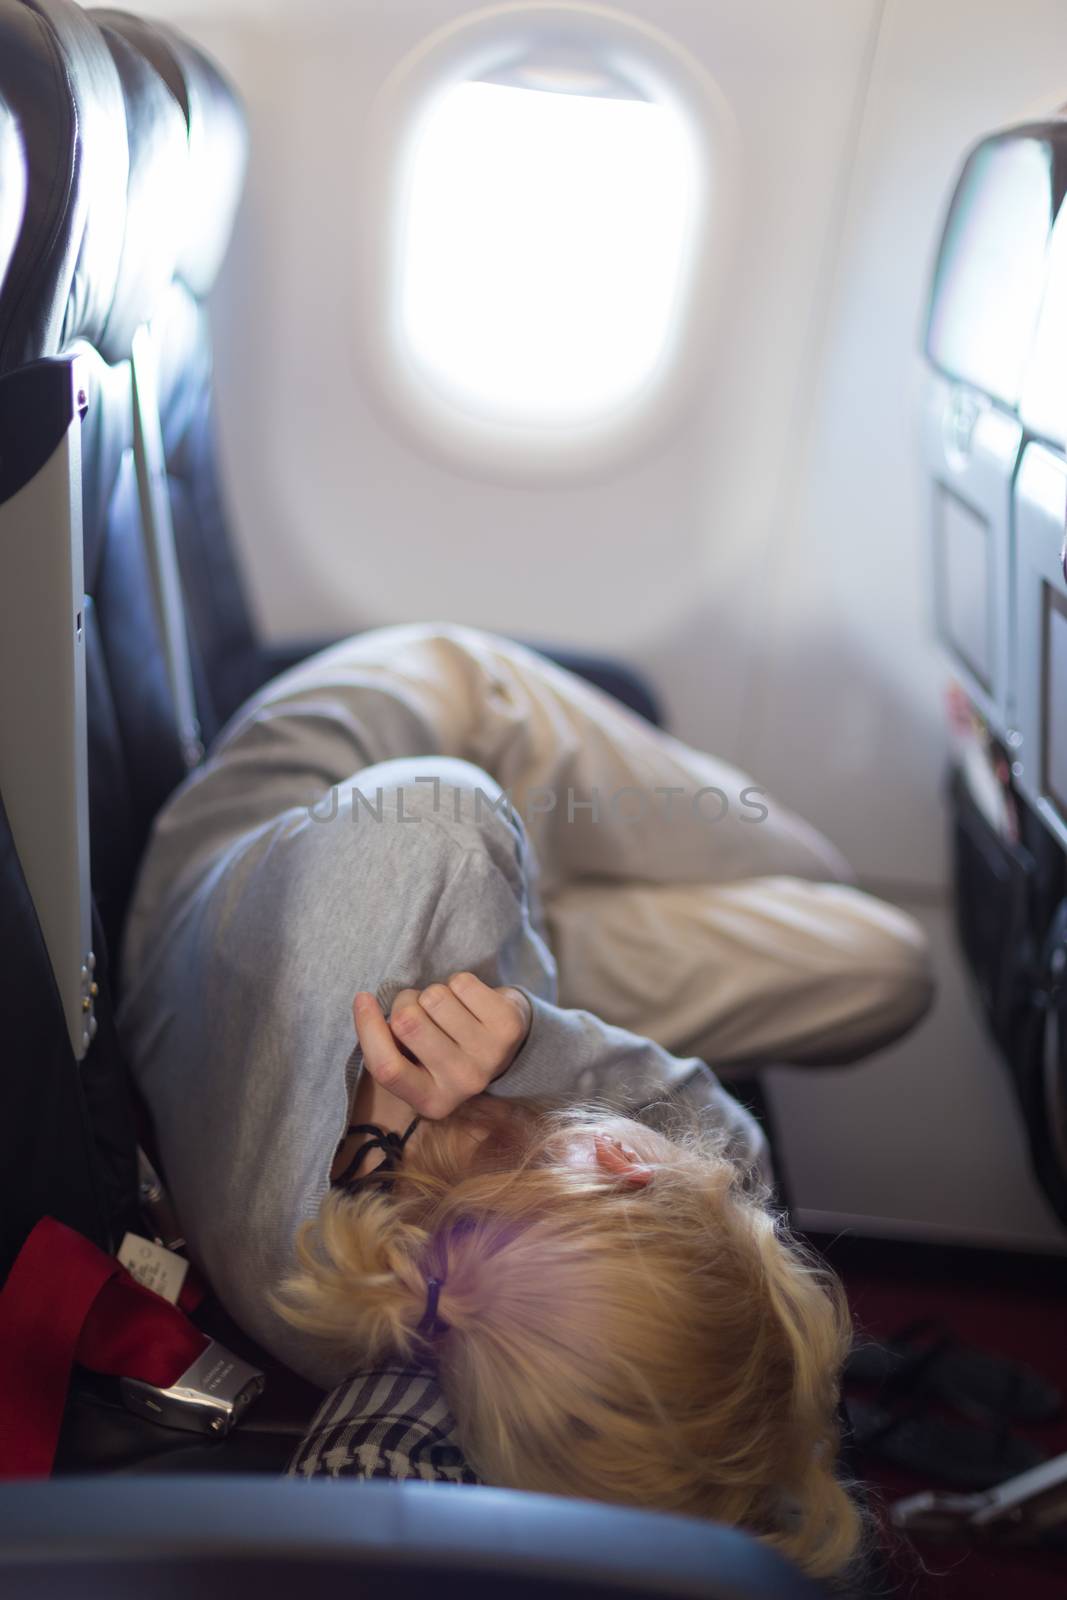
pixel 574 1053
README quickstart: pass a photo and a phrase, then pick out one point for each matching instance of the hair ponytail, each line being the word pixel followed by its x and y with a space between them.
pixel 357 1283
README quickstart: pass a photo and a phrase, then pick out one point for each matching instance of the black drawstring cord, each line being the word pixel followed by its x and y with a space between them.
pixel 389 1143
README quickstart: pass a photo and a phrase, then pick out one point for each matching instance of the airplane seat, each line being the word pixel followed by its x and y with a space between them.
pixel 70 1150
pixel 90 263
pixel 95 253
pixel 993 444
pixel 43 1155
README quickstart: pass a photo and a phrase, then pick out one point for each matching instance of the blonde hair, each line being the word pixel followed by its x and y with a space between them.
pixel 667 1346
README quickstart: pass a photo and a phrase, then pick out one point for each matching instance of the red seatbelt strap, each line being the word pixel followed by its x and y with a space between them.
pixel 65 1301
pixel 191 1294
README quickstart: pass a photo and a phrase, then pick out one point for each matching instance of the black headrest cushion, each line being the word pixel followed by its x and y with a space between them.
pixel 12 187
pixel 156 196
pixel 134 149
pixel 60 81
pixel 217 141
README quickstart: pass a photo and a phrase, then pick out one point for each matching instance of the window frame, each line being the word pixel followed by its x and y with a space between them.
pixel 461 50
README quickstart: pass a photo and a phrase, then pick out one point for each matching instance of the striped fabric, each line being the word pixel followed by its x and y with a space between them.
pixel 392 1423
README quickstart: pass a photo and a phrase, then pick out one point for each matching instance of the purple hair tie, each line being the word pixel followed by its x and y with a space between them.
pixel 431 1323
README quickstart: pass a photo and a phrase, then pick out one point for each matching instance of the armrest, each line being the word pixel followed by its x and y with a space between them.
pixel 222 1537
pixel 613 676
pixel 281 654
pixel 607 673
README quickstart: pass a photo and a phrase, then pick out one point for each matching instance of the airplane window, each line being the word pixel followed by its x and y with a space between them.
pixel 546 240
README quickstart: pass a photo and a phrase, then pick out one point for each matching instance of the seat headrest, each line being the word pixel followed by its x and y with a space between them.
pixel 60 82
pixel 134 153
pixel 217 140
pixel 992 263
pixel 12 187
pixel 156 195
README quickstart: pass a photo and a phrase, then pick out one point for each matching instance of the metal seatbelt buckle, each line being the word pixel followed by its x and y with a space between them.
pixel 1022 1510
pixel 211 1397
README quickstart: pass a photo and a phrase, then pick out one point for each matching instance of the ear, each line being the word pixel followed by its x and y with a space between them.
pixel 612 1156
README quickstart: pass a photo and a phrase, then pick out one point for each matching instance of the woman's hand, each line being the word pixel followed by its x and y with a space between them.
pixel 444 1044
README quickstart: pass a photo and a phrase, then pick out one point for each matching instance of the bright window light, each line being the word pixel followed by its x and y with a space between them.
pixel 544 250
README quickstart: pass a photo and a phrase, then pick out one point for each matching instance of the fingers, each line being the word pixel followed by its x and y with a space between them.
pixel 416 1028
pixel 392 1069
pixel 504 1013
pixel 382 1057
pixel 448 1013
pixel 409 1056
pixel 443 1044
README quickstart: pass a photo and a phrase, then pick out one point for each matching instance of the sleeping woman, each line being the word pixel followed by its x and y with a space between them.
pixel 421 975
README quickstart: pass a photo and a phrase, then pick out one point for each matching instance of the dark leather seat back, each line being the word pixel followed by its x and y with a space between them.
pixel 93 255
pixel 135 751
pixel 226 657
pixel 59 81
pixel 43 1153
pixel 136 151
pixel 105 141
